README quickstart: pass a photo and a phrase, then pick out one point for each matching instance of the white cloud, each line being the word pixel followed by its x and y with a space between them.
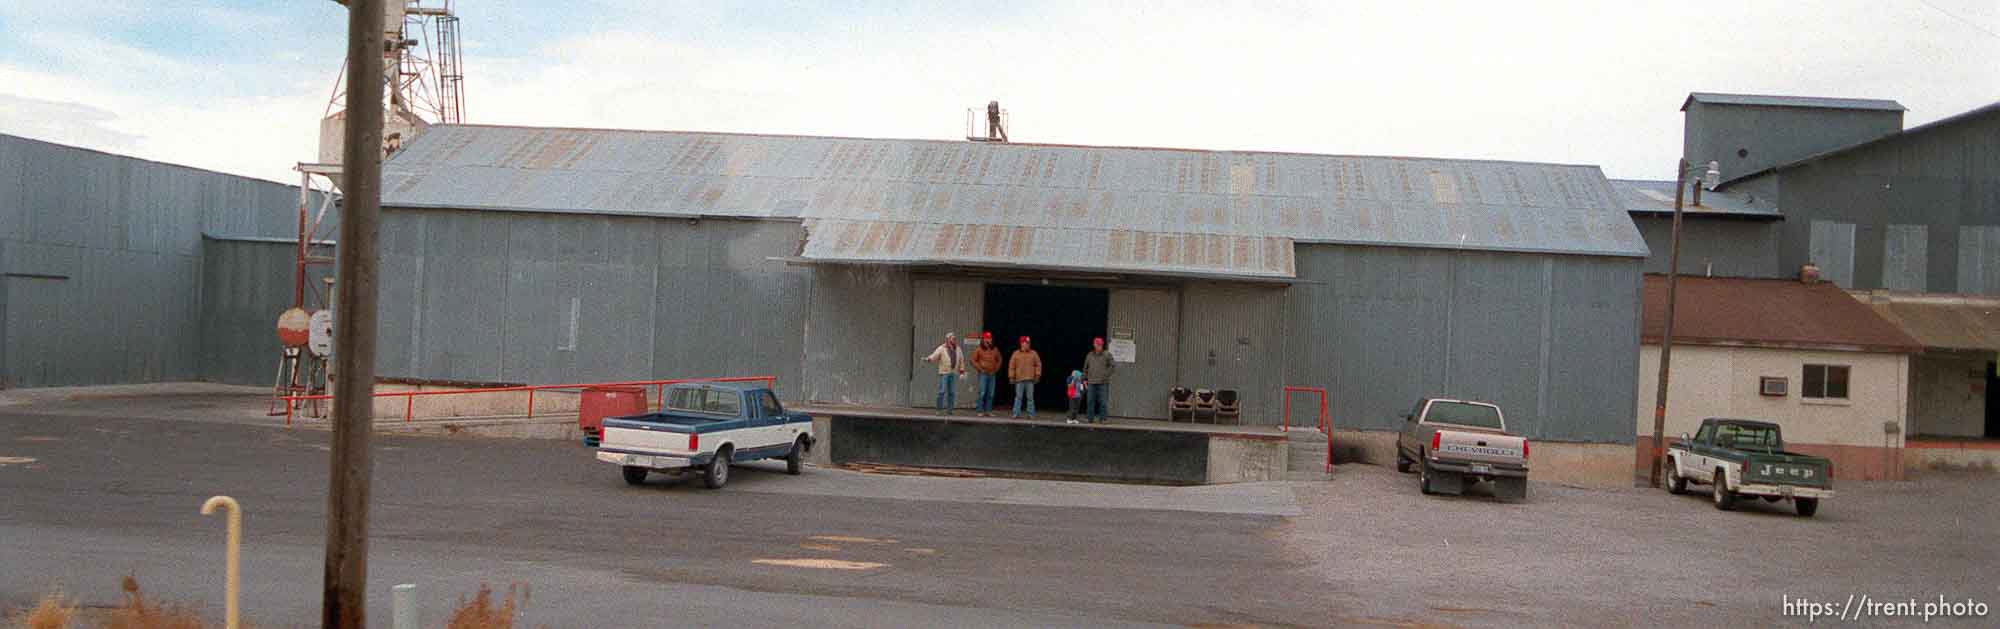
pixel 1594 83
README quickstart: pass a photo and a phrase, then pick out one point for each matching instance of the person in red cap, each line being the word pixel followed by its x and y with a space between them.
pixel 986 360
pixel 1024 368
pixel 1097 371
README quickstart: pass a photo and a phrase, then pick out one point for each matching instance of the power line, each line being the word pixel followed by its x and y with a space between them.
pixel 1961 18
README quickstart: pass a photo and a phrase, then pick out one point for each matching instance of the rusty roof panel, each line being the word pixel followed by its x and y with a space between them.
pixel 976 244
pixel 1768 312
pixel 1947 322
pixel 1416 202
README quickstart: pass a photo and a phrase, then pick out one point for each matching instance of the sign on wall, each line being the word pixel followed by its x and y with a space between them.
pixel 1123 347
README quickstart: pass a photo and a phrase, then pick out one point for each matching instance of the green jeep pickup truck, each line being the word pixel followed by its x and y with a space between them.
pixel 1740 457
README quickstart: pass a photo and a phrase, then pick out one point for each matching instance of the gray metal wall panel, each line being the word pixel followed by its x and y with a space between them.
pixel 1154 316
pixel 1593 364
pixel 938 306
pixel 126 236
pixel 1943 177
pixel 1979 260
pixel 244 285
pixel 1496 337
pixel 1905 257
pixel 1554 339
pixel 1769 136
pixel 1232 337
pixel 1710 246
pixel 858 336
pixel 534 298
pixel 1832 250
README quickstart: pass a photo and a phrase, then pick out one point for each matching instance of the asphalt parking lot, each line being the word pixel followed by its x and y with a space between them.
pixel 89 492
pixel 1641 557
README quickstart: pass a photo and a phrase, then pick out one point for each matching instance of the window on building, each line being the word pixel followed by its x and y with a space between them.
pixel 1827 382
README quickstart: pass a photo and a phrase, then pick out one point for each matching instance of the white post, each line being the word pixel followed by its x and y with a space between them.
pixel 403 615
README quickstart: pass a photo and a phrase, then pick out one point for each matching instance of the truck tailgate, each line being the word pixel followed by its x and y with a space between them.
pixel 1479 446
pixel 1787 469
pixel 617 437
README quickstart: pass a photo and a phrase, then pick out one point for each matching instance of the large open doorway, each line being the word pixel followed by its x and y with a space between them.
pixel 1992 403
pixel 1060 320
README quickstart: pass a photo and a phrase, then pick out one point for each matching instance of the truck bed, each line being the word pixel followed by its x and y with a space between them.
pixel 676 422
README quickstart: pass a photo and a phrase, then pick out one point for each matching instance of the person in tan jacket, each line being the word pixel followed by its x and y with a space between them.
pixel 986 360
pixel 1024 368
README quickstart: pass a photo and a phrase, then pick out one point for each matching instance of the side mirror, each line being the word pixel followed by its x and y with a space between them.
pixel 1685 438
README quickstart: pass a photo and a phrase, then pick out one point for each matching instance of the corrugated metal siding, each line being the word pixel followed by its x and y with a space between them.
pixel 245 284
pixel 938 307
pixel 1154 317
pixel 1905 257
pixel 1832 249
pixel 1553 340
pixel 1320 198
pixel 1723 248
pixel 1979 259
pixel 1945 176
pixel 858 341
pixel 539 298
pixel 1232 337
pixel 124 236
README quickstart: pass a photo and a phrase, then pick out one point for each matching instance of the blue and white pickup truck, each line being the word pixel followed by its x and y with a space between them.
pixel 703 427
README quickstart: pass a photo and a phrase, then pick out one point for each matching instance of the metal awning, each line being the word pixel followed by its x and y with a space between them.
pixel 1210 256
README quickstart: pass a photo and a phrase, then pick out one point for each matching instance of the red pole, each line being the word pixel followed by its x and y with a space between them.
pixel 1285 420
pixel 409 405
pixel 531 402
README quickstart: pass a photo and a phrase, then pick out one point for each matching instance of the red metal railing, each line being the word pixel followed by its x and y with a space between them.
pixel 1325 421
pixel 410 397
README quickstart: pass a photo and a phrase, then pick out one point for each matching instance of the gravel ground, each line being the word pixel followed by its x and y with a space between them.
pixel 1641 557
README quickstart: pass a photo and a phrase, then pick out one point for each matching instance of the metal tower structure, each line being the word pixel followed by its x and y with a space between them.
pixel 423 83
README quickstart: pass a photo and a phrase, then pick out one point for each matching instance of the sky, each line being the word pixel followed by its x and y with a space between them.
pixel 240 87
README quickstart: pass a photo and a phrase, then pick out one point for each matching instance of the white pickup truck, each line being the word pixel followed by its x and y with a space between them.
pixel 703 427
pixel 1459 442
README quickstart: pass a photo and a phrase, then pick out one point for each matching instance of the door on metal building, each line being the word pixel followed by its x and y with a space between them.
pixel 941 306
pixel 34 330
pixel 1150 320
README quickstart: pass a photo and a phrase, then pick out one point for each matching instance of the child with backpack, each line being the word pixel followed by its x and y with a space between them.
pixel 1075 391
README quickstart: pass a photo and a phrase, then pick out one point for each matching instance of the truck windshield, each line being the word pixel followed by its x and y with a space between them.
pixel 1460 413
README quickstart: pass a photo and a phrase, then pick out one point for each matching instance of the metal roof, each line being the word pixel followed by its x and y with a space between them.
pixel 1792 101
pixel 1770 313
pixel 1415 202
pixel 1948 322
pixel 1657 197
pixel 1049 247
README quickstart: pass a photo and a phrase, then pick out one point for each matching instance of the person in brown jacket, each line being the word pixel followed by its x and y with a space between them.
pixel 1024 368
pixel 986 360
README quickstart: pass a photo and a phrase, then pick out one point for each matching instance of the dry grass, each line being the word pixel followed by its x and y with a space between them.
pixel 481 613
pixel 138 613
pixel 54 611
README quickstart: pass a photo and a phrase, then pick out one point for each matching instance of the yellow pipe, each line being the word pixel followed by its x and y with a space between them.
pixel 235 545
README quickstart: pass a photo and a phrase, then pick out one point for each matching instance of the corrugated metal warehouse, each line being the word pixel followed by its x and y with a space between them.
pixel 113 271
pixel 541 255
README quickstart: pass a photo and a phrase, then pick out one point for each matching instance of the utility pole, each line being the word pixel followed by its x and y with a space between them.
pixel 1667 337
pixel 344 599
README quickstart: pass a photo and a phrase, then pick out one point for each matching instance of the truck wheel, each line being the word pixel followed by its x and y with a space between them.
pixel 1806 506
pixel 1424 477
pixel 1402 463
pixel 635 475
pixel 717 473
pixel 1675 484
pixel 795 461
pixel 1724 499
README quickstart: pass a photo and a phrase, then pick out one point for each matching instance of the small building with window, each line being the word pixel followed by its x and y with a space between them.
pixel 1803 354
